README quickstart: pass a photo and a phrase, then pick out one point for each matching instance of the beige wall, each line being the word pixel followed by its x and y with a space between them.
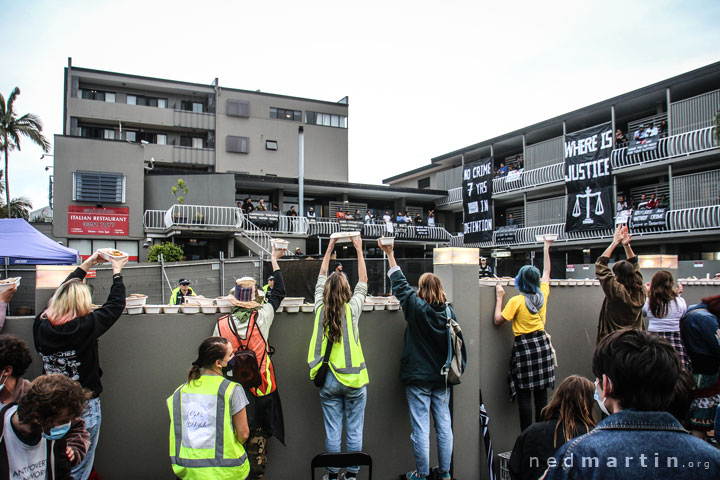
pixel 326 148
pixel 73 154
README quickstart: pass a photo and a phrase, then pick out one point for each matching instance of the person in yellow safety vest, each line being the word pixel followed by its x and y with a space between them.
pixel 344 392
pixel 265 411
pixel 268 288
pixel 208 421
pixel 177 297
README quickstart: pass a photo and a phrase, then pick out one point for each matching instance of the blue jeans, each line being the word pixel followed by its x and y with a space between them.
pixel 338 400
pixel 93 417
pixel 421 401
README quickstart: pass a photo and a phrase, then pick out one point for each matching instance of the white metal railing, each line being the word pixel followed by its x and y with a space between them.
pixel 322 226
pixel 454 196
pixel 700 218
pixel 674 146
pixel 529 178
pixel 694 113
pixel 154 220
pixel 209 216
pixel 254 234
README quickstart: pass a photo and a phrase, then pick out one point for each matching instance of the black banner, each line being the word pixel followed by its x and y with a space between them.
pixel 643 140
pixel 266 220
pixel 350 226
pixel 649 218
pixel 588 176
pixel 477 193
pixel 506 235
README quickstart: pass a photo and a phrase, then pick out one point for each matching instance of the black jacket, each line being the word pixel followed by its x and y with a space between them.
pixel 426 343
pixel 72 348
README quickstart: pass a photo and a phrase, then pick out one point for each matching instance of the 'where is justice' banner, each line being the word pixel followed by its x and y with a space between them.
pixel 588 176
pixel 477 186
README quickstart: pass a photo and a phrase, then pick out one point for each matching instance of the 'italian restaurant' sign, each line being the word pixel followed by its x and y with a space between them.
pixel 98 221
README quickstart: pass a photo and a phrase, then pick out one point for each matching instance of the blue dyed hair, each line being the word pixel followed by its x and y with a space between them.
pixel 528 279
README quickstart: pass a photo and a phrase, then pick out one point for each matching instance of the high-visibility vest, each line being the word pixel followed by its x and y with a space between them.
pixel 265 289
pixel 174 295
pixel 255 341
pixel 203 445
pixel 346 361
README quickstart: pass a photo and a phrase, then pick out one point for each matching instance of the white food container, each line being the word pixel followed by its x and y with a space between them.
pixel 135 310
pixel 106 253
pixel 307 308
pixel 554 283
pixel 378 300
pixel 387 240
pixel 292 308
pixel 280 309
pixel 189 308
pixel 292 302
pixel 280 244
pixel 9 282
pixel 393 306
pixel 200 301
pixel 136 300
pixel 170 308
pixel 379 306
pixel 152 308
pixel 344 236
pixel 208 309
pixel 367 307
pixel 547 236
pixel 223 302
pixel 224 309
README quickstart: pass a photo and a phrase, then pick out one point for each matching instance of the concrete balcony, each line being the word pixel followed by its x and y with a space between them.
pixel 199 121
pixel 179 155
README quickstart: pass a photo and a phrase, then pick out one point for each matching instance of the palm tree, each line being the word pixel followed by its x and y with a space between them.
pixel 12 128
pixel 19 207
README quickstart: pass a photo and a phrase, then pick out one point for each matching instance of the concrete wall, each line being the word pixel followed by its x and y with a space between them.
pixel 686 268
pixel 75 153
pixel 326 148
pixel 213 190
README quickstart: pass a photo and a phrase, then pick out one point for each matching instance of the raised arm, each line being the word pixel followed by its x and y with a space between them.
pixel 388 249
pixel 626 238
pixel 546 261
pixel 278 292
pixel 498 319
pixel 326 259
pixel 362 268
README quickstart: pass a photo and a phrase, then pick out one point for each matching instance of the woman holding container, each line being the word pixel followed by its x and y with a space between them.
pixel 344 390
pixel 66 337
pixel 532 368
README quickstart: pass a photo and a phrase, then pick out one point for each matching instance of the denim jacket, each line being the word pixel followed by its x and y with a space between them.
pixel 636 445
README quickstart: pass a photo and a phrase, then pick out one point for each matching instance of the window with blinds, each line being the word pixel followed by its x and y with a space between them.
pixel 237 144
pixel 237 108
pixel 98 187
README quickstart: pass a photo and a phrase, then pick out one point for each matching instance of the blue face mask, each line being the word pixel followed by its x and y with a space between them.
pixel 56 433
pixel 601 403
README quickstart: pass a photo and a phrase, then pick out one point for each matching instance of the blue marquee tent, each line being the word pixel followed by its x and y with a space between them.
pixel 21 243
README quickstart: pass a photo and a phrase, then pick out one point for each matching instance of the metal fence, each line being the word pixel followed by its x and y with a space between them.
pixel 694 113
pixel 545 153
pixel 529 178
pixel 696 190
pixel 686 143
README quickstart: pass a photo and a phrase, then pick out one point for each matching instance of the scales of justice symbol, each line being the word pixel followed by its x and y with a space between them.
pixel 599 210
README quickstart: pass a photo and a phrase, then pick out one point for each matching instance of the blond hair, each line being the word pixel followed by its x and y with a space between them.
pixel 71 300
pixel 430 289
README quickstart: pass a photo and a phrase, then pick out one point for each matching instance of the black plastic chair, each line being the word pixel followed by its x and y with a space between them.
pixel 341 460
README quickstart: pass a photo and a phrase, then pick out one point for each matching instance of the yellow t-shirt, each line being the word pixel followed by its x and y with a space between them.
pixel 522 320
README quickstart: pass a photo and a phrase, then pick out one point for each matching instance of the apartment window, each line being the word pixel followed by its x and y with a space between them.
pixel 271 145
pixel 237 108
pixel 110 97
pixel 131 100
pixel 161 139
pixel 97 95
pixel 284 114
pixel 191 142
pixel 109 134
pixel 197 142
pixel 424 182
pixel 237 144
pixel 197 107
pixel 98 187
pixel 192 106
pixel 162 102
pixel 130 136
pixel 326 119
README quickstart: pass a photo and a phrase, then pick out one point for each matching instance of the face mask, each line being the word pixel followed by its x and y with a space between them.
pixel 227 369
pixel 56 433
pixel 601 403
pixel 2 385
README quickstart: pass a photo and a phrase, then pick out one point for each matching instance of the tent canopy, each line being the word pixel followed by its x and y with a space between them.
pixel 22 243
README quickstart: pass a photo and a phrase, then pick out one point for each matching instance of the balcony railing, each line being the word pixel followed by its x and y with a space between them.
pixel 529 178
pixel 682 220
pixel 454 196
pixel 678 145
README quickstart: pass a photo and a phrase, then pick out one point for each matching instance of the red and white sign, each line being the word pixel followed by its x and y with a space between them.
pixel 569 268
pixel 91 274
pixel 98 221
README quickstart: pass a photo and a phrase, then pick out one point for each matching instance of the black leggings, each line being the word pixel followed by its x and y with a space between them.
pixel 526 408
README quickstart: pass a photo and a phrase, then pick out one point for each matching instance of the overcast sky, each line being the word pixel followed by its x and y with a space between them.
pixel 424 78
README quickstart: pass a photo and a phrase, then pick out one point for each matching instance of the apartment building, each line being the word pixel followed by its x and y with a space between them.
pixel 128 139
pixel 682 170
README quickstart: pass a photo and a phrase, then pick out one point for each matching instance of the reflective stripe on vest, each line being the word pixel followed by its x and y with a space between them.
pixel 341 357
pixel 220 459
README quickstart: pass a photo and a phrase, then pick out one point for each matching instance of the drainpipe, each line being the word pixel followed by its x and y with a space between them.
pixel 301 172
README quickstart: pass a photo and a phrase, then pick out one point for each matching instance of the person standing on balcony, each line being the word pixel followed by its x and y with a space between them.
pixel 643 201
pixel 387 218
pixel 177 297
pixel 510 219
pixel 400 218
pixel 369 217
pixel 292 212
pixel 485 269
pixel 419 219
pixel 248 205
pixel 408 218
pixel 431 218
pixel 653 202
pixel 66 337
pixel 311 212
pixel 340 215
pixel 532 368
pixel 344 391
pixel 264 412
pixel 623 287
pixel 424 354
pixel 503 170
pixel 261 207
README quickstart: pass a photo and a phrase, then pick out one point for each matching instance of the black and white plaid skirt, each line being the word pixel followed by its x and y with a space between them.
pixel 531 363
pixel 675 340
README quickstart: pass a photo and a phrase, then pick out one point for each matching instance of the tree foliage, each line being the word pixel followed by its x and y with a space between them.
pixel 171 252
pixel 180 190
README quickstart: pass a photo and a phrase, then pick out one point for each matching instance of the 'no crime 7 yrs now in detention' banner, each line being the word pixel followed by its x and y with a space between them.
pixel 98 221
pixel 477 193
pixel 588 176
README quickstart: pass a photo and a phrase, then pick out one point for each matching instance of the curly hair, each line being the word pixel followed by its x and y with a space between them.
pixel 14 353
pixel 337 293
pixel 51 396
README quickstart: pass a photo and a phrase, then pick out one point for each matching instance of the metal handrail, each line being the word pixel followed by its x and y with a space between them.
pixel 681 144
pixel 210 216
pixel 529 178
pixel 698 218
pixel 154 220
pixel 454 196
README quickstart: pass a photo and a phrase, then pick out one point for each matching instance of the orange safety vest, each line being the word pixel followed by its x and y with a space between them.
pixel 254 341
